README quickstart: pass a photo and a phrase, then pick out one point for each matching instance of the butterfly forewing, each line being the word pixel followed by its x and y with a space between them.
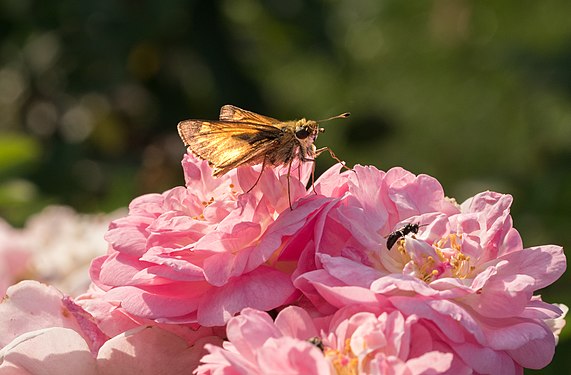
pixel 228 144
pixel 234 114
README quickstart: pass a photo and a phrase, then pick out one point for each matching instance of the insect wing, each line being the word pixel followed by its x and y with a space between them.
pixel 227 145
pixel 393 238
pixel 234 114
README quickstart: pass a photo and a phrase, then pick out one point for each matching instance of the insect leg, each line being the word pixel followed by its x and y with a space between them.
pixel 259 176
pixel 288 188
pixel 319 151
pixel 313 177
pixel 304 159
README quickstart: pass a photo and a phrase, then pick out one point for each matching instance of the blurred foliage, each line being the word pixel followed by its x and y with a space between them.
pixel 475 93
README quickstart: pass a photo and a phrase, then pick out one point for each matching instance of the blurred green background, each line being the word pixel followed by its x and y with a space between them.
pixel 474 93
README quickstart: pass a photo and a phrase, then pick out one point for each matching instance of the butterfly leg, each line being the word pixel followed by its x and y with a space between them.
pixel 312 173
pixel 313 178
pixel 304 159
pixel 288 187
pixel 319 151
pixel 259 176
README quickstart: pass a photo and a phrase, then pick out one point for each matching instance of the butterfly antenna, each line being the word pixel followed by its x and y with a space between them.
pixel 343 115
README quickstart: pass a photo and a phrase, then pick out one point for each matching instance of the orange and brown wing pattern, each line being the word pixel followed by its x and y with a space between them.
pixel 234 114
pixel 227 145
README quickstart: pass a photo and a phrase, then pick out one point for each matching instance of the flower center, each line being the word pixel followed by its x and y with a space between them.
pixel 443 259
pixel 220 197
pixel 344 362
pixel 204 204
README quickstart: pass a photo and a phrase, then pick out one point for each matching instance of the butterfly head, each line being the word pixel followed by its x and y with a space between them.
pixel 309 129
pixel 305 129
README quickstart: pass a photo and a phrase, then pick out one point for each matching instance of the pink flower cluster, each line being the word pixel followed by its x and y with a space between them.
pixel 193 277
pixel 55 246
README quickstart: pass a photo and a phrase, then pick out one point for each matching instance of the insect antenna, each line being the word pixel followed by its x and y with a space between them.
pixel 343 115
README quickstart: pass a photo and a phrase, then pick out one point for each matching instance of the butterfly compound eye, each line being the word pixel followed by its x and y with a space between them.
pixel 302 133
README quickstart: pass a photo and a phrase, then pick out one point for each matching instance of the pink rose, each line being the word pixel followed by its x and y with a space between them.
pixel 375 341
pixel 192 254
pixel 55 246
pixel 352 341
pixel 351 218
pixel 45 332
pixel 31 306
pixel 466 269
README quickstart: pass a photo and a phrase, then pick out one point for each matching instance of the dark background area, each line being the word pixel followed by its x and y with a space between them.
pixel 474 93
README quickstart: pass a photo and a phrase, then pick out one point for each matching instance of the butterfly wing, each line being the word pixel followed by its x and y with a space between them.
pixel 227 145
pixel 234 114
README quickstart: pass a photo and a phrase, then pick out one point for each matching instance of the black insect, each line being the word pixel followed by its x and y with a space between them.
pixel 317 342
pixel 398 234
